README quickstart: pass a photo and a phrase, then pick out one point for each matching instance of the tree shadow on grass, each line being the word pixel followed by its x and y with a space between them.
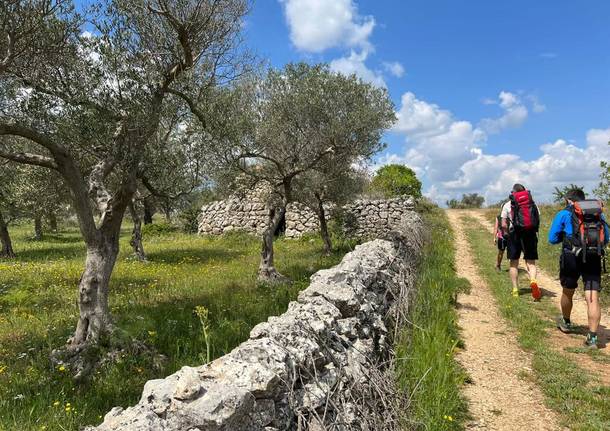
pixel 41 254
pixel 190 255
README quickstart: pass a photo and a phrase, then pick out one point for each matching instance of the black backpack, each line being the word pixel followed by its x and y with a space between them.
pixel 588 234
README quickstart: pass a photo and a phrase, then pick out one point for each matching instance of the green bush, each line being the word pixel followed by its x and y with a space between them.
pixel 396 180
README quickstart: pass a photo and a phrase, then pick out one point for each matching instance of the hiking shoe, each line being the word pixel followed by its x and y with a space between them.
pixel 563 326
pixel 591 342
pixel 536 293
pixel 515 292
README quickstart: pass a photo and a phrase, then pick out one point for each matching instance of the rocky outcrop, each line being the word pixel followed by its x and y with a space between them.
pixel 313 367
pixel 363 218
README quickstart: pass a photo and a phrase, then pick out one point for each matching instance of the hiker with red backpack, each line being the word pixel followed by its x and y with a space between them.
pixel 582 230
pixel 520 223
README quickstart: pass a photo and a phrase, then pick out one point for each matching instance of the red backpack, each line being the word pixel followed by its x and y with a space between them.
pixel 524 212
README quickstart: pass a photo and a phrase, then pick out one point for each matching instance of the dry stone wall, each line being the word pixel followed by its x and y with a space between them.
pixel 362 218
pixel 312 368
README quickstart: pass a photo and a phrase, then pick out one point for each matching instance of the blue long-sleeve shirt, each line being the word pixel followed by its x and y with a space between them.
pixel 562 227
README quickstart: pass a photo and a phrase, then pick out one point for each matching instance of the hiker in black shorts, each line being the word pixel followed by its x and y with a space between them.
pixel 583 232
pixel 520 223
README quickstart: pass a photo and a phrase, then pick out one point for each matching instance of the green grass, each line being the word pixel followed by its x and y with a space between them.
pixel 426 367
pixel 583 403
pixel 152 302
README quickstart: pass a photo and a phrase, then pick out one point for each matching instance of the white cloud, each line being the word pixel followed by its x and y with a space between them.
pixel 560 163
pixel 394 68
pixel 355 64
pixel 437 143
pixel 515 114
pixel 418 118
pixel 448 155
pixel 537 106
pixel 317 25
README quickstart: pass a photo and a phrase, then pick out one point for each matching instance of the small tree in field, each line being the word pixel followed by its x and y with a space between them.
pixel 560 193
pixel 396 180
pixel 332 184
pixel 296 120
pixel 92 107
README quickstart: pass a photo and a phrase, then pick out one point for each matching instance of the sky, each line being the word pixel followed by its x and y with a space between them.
pixel 487 93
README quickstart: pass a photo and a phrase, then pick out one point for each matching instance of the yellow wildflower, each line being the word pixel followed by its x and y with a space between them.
pixel 3 369
pixel 152 333
pixel 56 403
pixel 62 368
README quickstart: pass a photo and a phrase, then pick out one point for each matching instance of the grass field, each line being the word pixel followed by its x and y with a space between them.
pixel 154 302
pixel 582 402
pixel 426 367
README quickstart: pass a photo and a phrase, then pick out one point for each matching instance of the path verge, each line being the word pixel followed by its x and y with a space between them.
pixel 571 389
pixel 499 397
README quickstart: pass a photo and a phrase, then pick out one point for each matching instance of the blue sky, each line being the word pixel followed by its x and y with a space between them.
pixel 491 93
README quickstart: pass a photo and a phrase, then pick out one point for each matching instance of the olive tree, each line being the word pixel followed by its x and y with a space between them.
pixel 297 120
pixel 93 106
pixel 333 184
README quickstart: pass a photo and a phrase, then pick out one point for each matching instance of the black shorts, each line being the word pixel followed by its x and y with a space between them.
pixel 525 242
pixel 502 244
pixel 571 268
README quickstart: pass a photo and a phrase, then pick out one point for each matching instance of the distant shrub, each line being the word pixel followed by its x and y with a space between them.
pixel 470 200
pixel 396 180
pixel 189 218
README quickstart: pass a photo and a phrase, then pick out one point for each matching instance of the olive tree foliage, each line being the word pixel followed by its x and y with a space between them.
pixel 297 120
pixel 38 194
pixel 396 180
pixel 93 106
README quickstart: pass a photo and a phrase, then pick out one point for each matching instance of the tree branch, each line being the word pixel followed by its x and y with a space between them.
pixel 34 136
pixel 30 159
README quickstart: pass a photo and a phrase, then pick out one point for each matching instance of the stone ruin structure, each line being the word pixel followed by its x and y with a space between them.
pixel 363 218
pixel 325 364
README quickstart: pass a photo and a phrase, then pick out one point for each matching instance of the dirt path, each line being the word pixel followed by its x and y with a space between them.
pixel 498 398
pixel 551 289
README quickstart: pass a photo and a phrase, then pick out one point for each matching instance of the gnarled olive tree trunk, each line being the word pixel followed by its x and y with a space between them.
pixel 328 246
pixel 136 234
pixel 266 269
pixel 6 249
pixel 93 290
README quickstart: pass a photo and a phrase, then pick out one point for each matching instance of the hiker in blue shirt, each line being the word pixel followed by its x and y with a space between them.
pixel 580 219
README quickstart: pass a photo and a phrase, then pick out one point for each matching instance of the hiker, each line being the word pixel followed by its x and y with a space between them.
pixel 520 223
pixel 583 232
pixel 500 242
